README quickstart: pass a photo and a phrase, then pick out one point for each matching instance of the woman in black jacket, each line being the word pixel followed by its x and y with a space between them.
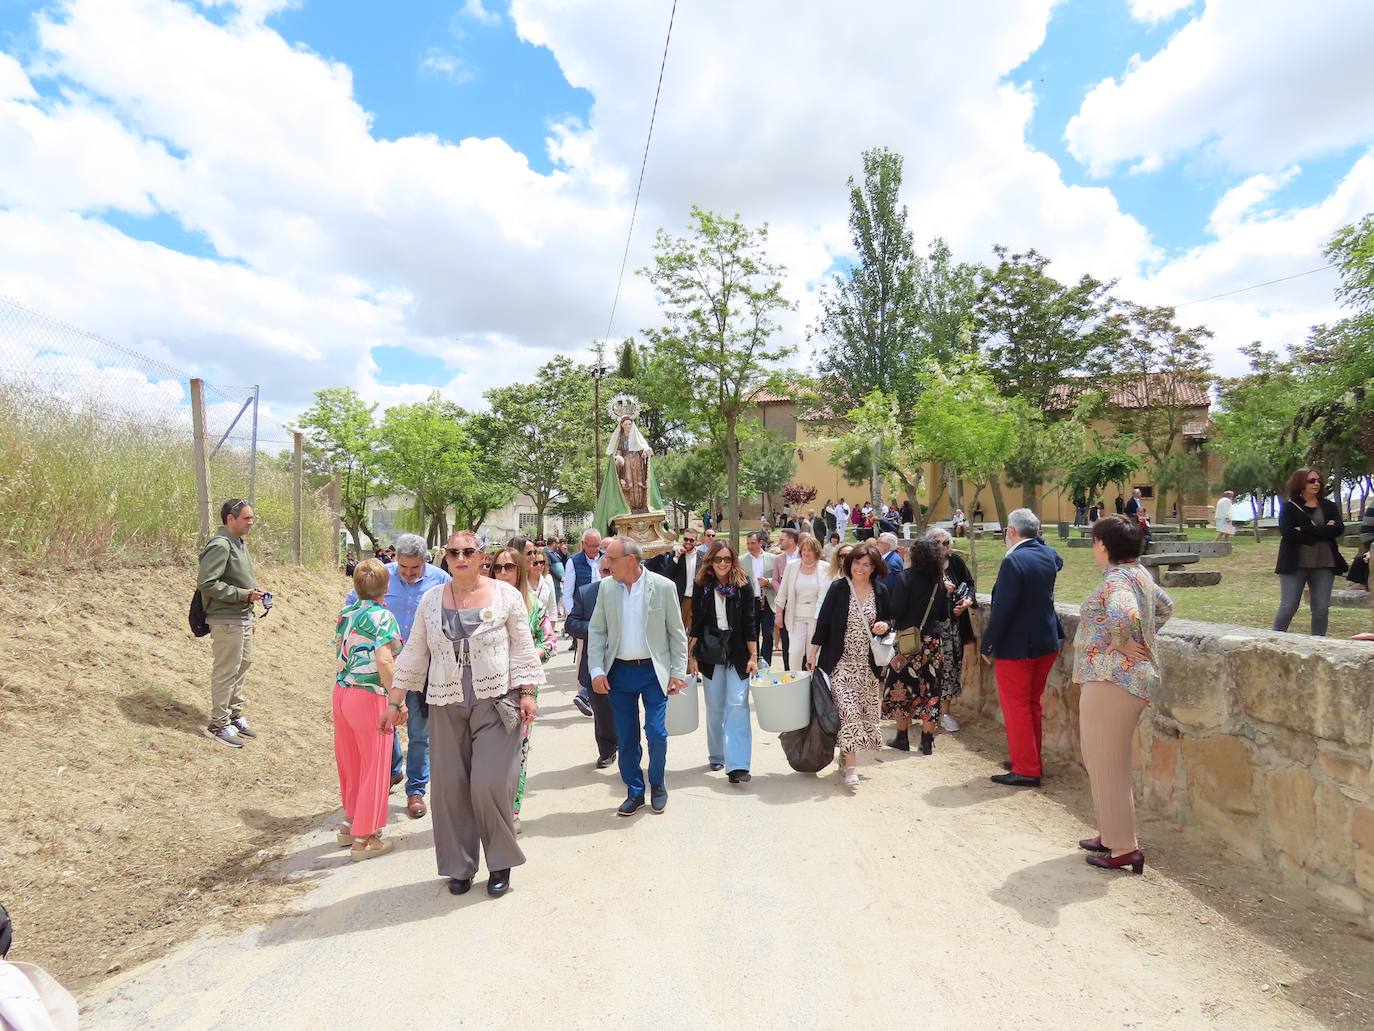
pixel 1309 527
pixel 854 611
pixel 958 634
pixel 915 682
pixel 724 625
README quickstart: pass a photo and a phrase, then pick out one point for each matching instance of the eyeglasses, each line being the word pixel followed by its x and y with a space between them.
pixel 689 540
pixel 237 506
pixel 465 552
pixel 1314 479
pixel 502 567
pixel 722 558
pixel 539 562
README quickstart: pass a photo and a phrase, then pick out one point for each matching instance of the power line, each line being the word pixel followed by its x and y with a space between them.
pixel 1255 286
pixel 624 260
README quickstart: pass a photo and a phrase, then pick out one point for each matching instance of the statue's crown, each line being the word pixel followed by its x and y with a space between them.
pixel 623 406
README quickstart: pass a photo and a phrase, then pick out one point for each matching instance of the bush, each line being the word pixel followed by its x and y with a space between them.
pixel 77 484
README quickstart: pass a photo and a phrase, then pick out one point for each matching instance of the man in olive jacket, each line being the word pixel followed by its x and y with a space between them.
pixel 229 591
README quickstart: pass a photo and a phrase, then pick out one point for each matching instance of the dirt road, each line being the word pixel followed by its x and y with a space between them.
pixel 930 897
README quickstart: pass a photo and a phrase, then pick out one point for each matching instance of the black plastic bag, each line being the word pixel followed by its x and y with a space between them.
pixel 812 748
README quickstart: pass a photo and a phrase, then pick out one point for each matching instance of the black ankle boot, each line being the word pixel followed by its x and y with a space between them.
pixel 900 742
pixel 927 743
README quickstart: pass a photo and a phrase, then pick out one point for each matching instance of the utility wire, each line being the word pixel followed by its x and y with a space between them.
pixel 624 260
pixel 1255 286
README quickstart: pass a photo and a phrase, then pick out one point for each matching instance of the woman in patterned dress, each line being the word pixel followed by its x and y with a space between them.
pixel 915 683
pixel 855 609
pixel 366 640
pixel 957 634
pixel 509 566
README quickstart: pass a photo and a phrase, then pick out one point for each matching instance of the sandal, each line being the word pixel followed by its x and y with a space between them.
pixel 371 848
pixel 343 836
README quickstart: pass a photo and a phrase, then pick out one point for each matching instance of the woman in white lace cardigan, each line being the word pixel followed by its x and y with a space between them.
pixel 471 639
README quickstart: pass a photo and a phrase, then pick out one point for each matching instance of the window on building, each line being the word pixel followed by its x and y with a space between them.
pixel 528 520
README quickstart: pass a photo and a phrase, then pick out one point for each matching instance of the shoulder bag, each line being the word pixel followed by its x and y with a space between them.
pixel 909 638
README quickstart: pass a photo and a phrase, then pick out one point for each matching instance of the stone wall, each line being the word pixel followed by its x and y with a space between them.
pixel 1264 739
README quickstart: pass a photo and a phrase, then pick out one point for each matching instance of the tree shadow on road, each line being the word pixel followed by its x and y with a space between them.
pixel 1039 892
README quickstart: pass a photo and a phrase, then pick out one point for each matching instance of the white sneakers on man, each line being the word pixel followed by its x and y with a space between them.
pixel 949 723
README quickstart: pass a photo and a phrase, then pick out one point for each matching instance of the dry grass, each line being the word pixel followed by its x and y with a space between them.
pixel 124 830
pixel 1247 595
pixel 78 483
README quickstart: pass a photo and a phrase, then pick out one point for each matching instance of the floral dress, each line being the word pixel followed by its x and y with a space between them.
pixel 857 691
pixel 545 643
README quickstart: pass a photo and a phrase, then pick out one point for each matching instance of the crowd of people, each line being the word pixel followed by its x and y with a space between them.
pixel 452 645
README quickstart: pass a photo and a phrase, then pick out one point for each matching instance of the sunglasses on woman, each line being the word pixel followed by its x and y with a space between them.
pixel 465 552
pixel 722 558
pixel 539 562
pixel 502 567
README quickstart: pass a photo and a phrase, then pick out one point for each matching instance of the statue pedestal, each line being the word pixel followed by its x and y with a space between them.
pixel 647 529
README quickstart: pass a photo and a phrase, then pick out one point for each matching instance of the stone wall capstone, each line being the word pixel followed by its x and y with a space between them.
pixel 1265 739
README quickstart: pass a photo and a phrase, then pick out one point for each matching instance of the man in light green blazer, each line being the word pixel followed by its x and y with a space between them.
pixel 637 648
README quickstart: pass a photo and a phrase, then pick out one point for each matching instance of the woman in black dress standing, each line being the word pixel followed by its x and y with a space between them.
pixel 957 633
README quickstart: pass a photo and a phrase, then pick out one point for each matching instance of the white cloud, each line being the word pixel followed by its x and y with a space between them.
pixel 254 11
pixel 1259 83
pixel 331 242
pixel 478 12
pixel 1155 11
pixel 448 65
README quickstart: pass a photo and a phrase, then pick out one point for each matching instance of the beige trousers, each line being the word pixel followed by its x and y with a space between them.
pixel 231 645
pixel 1108 715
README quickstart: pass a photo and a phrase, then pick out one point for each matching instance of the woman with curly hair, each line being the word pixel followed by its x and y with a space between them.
pixel 915 680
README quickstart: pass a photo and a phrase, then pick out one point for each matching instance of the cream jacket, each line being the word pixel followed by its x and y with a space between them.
pixel 787 594
pixel 502 649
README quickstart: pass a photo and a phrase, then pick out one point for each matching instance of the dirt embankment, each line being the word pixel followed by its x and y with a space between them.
pixel 122 829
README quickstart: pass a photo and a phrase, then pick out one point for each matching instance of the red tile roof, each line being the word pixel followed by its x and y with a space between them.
pixel 1137 393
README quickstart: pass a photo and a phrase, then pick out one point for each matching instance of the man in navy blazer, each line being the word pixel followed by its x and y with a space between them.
pixel 1023 636
pixel 579 619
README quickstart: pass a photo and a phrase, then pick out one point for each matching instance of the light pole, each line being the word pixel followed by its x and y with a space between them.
pixel 598 374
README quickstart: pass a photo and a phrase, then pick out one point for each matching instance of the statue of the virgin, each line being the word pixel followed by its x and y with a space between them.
pixel 628 484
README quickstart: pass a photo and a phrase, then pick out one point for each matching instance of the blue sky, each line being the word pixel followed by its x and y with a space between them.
pixel 397 268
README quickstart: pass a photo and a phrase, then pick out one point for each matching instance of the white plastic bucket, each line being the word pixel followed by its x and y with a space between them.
pixel 781 706
pixel 684 710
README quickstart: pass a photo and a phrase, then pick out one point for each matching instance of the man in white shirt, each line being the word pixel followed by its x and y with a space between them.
pixel 759 565
pixel 637 649
pixel 682 570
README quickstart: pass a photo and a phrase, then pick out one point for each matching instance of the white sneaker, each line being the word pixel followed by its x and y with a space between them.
pixel 224 735
pixel 949 723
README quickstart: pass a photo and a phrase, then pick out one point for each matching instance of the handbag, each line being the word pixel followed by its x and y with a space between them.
pixel 909 642
pixel 714 647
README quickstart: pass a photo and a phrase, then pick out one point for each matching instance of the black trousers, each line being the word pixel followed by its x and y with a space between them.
pixel 765 641
pixel 603 723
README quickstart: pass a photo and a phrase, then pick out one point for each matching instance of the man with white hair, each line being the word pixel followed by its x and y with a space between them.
pixel 1023 638
pixel 887 544
pixel 1226 528
pixel 411 576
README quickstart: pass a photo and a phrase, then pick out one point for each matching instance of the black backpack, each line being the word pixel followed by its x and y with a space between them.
pixel 196 617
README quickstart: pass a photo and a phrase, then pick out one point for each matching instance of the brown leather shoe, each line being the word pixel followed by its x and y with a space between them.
pixel 415 806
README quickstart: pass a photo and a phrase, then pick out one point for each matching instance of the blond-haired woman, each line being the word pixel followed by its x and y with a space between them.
pixel 366 640
pixel 803 588
pixel 510 566
pixel 472 638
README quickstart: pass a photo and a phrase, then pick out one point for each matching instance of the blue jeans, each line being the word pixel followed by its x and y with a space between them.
pixel 727 719
pixel 417 747
pixel 1318 583
pixel 628 685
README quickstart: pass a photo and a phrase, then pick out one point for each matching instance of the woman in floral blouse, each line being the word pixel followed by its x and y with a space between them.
pixel 366 639
pixel 509 565
pixel 1115 664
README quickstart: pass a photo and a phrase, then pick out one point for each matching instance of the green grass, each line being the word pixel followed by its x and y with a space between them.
pixel 1247 595
pixel 78 484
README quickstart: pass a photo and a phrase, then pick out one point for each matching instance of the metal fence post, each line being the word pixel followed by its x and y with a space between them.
pixel 297 473
pixel 199 457
pixel 253 455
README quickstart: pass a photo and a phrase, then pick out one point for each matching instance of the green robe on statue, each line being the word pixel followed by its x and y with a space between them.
pixel 612 501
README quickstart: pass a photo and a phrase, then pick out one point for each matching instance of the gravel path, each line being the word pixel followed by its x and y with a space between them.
pixel 930 897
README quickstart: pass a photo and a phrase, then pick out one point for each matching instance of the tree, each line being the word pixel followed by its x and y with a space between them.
pixel 485 482
pixel 1255 429
pixel 868 315
pixel 544 437
pixel 798 494
pixel 721 298
pixel 1159 375
pixel 1180 472
pixel 690 479
pixel 946 292
pixel 341 434
pixel 1250 473
pixel 626 359
pixel 1103 463
pixel 767 462
pixel 1038 337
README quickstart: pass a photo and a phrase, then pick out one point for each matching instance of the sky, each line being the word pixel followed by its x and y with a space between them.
pixel 427 195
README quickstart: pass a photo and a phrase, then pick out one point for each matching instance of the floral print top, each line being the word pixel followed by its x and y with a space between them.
pixel 541 629
pixel 363 627
pixel 1125 603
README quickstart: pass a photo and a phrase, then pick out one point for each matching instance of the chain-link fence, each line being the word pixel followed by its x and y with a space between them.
pixel 99 450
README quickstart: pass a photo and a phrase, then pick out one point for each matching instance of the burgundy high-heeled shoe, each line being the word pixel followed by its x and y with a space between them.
pixel 1093 845
pixel 1135 860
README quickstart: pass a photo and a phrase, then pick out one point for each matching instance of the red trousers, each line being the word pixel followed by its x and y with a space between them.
pixel 363 756
pixel 1020 683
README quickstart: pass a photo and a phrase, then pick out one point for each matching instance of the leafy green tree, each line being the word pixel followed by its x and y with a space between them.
pixel 1160 372
pixel 1039 337
pixel 690 479
pixel 1180 472
pixel 1255 429
pixel 627 359
pixel 544 438
pixel 766 465
pixel 1102 463
pixel 340 433
pixel 1252 473
pixel 721 297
